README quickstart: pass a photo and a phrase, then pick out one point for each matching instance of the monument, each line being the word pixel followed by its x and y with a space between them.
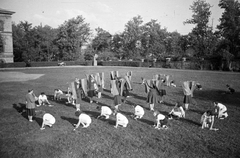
pixel 6 41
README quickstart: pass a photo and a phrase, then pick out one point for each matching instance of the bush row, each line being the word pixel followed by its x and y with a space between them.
pixel 189 64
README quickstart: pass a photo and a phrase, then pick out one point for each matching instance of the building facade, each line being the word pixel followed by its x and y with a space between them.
pixel 6 41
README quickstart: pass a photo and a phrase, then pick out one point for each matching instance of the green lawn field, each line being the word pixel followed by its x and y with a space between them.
pixel 184 138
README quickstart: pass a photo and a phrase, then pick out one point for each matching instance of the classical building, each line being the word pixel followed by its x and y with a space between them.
pixel 6 42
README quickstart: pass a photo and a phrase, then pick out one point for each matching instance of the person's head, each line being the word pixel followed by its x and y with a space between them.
pixel 178 104
pixel 42 93
pixel 215 103
pixel 30 91
pixel 55 90
pixel 76 80
pixel 155 113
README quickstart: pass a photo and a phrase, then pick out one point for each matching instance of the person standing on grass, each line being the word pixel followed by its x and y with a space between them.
pixel 187 94
pixel 78 90
pixel 153 95
pixel 30 104
pixel 92 88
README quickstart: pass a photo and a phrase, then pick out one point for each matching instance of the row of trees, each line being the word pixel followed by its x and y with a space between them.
pixel 138 40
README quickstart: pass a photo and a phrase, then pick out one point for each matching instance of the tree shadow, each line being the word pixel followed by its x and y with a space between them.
pixel 70 120
pixel 21 109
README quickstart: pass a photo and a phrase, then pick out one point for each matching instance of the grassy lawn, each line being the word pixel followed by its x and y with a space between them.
pixel 184 138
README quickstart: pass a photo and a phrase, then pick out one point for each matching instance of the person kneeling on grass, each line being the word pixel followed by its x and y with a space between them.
pixel 207 120
pixel 138 112
pixel 42 99
pixel 121 120
pixel 221 110
pixel 48 120
pixel 57 94
pixel 177 111
pixel 83 119
pixel 105 111
pixel 161 120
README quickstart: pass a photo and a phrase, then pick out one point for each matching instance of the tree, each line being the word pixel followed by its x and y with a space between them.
pixel 71 37
pixel 102 41
pixel 229 30
pixel 131 35
pixel 200 18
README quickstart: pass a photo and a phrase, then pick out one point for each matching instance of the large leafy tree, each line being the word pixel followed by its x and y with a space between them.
pixel 229 30
pixel 43 38
pixel 131 37
pixel 154 40
pixel 72 35
pixel 200 18
pixel 102 41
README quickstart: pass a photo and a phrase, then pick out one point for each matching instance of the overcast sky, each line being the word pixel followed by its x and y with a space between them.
pixel 111 15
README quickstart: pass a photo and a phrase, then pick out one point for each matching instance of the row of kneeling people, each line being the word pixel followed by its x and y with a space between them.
pixel 207 119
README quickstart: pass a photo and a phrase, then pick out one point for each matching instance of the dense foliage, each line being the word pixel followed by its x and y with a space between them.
pixel 74 40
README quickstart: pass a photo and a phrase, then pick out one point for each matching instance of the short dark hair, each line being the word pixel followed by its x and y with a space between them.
pixel 30 90
pixel 42 93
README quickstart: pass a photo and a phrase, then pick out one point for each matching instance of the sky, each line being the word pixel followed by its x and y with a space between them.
pixel 110 15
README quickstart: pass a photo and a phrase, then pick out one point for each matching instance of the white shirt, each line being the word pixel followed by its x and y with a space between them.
pixel 121 119
pixel 160 117
pixel 48 117
pixel 42 97
pixel 84 118
pixel 139 110
pixel 105 110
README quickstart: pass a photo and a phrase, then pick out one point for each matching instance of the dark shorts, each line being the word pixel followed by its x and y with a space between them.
pixel 187 99
pixel 31 112
pixel 117 99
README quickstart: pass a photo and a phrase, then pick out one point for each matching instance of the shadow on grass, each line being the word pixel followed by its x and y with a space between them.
pixel 39 121
pixel 106 90
pixel 212 95
pixel 70 120
pixel 138 96
pixel 151 123
pixel 190 121
pixel 196 111
pixel 168 104
pixel 111 122
pixel 93 114
pixel 106 96
pixel 21 109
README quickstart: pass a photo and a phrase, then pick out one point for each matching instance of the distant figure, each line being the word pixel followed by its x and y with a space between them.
pixel 221 110
pixel 230 89
pixel 83 119
pixel 207 120
pixel 30 104
pixel 48 120
pixel 105 111
pixel 121 120
pixel 161 120
pixel 42 99
pixel 177 111
pixel 57 94
pixel 138 112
